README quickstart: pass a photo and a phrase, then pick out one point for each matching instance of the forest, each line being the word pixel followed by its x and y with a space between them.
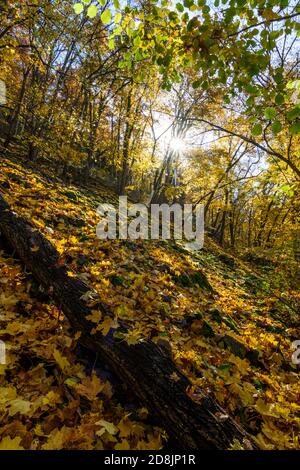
pixel 146 341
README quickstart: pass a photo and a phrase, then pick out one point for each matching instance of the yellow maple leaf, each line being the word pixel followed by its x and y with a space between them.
pixel 38 430
pixel 61 360
pixel 267 409
pixel 106 325
pixel 19 406
pixel 52 398
pixel 15 327
pixel 8 301
pixel 133 337
pixel 263 443
pixel 241 364
pixel 245 395
pixel 124 445
pixel 11 444
pixel 125 427
pixel 7 394
pixel 95 316
pixel 57 438
pixel 106 426
pixel 90 387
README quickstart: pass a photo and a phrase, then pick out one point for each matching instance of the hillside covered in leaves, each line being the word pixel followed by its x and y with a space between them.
pixel 227 322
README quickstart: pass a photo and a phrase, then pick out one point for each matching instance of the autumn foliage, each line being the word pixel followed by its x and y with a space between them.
pixel 196 103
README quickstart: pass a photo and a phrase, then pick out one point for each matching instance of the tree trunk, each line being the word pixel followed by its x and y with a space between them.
pixel 144 367
pixel 14 123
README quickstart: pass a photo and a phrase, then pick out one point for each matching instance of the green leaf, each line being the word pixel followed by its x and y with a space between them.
pixel 78 8
pixel 180 7
pixel 276 127
pixel 290 85
pixel 138 55
pixel 252 89
pixel 196 84
pixel 137 41
pixel 257 129
pixel 117 4
pixel 287 189
pixel 117 31
pixel 295 128
pixel 86 2
pixel 106 17
pixel 92 11
pixel 111 44
pixel 278 77
pixel 294 113
pixel 118 18
pixel 270 113
pixel 279 99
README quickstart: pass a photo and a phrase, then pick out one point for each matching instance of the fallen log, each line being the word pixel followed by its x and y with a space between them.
pixel 144 367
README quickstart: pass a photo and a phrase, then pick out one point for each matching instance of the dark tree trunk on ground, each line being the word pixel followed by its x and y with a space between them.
pixel 143 367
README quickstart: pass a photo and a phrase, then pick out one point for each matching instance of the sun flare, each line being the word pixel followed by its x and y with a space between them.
pixel 177 144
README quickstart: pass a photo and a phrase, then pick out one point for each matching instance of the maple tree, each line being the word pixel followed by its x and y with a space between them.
pixel 193 102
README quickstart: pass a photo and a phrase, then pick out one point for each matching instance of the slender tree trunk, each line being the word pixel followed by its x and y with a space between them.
pixel 14 123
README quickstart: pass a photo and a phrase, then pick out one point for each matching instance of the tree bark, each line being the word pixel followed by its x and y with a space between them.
pixel 144 367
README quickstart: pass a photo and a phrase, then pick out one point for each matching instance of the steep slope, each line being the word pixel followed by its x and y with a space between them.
pixel 232 335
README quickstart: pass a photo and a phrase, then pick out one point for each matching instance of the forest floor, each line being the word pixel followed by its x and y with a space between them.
pixel 232 336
